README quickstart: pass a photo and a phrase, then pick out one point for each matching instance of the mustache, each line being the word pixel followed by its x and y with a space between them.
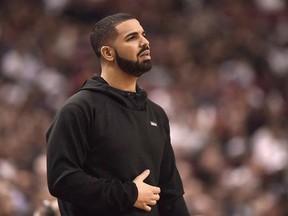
pixel 142 50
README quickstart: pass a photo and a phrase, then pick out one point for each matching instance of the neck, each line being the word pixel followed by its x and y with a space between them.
pixel 119 79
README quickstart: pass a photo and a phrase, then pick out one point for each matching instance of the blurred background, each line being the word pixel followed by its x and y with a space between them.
pixel 220 71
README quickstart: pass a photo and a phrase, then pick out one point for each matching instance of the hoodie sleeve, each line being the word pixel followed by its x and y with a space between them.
pixel 67 147
pixel 172 202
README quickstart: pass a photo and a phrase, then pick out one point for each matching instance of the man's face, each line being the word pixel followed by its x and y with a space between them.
pixel 132 49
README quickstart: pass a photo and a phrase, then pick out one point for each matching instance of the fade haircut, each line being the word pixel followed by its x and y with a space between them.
pixel 104 30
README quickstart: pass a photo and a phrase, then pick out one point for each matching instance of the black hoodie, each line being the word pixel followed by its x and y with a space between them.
pixel 99 141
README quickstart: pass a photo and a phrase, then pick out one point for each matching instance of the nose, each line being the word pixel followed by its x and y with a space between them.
pixel 144 42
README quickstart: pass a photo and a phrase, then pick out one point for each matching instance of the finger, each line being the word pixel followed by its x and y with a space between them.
pixel 143 175
pixel 156 190
pixel 147 208
pixel 152 202
pixel 156 197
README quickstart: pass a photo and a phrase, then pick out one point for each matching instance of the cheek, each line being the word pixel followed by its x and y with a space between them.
pixel 128 52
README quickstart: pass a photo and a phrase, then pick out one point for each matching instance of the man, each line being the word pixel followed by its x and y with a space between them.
pixel 109 150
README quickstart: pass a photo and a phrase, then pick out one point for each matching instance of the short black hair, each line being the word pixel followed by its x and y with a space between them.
pixel 104 30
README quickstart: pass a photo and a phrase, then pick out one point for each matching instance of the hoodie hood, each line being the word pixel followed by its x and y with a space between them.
pixel 133 100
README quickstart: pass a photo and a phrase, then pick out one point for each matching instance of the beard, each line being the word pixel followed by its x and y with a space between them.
pixel 134 68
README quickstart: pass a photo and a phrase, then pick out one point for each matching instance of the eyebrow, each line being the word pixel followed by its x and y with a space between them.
pixel 133 34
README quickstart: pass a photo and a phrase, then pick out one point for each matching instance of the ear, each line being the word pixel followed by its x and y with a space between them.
pixel 107 53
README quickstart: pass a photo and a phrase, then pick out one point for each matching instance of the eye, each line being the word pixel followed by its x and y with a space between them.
pixel 144 34
pixel 131 38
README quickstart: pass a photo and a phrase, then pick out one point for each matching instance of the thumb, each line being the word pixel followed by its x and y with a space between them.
pixel 143 175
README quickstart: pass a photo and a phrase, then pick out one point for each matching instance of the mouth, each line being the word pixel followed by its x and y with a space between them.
pixel 145 54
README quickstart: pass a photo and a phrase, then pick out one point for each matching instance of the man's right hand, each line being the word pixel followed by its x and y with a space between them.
pixel 147 195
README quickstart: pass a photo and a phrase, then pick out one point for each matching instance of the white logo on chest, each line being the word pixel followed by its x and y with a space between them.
pixel 153 124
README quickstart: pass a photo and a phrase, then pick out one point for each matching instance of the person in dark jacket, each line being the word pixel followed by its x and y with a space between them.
pixel 108 147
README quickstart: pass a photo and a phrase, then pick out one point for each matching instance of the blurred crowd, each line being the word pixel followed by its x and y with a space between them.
pixel 220 71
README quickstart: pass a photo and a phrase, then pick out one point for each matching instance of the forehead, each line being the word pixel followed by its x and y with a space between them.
pixel 128 27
